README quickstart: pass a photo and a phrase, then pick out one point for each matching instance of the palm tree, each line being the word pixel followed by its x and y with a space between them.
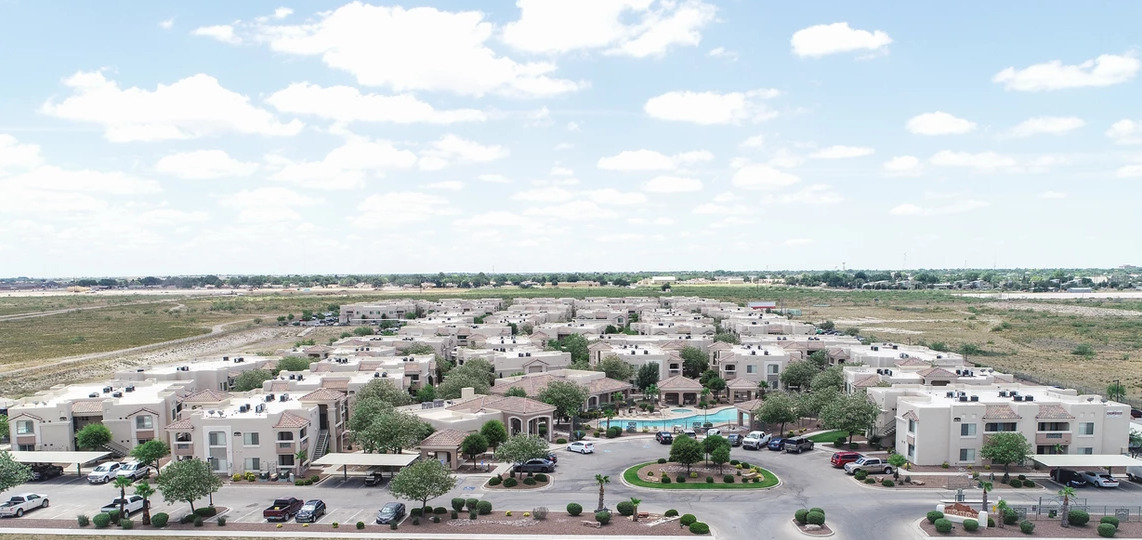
pixel 635 502
pixel 601 479
pixel 121 483
pixel 609 412
pixel 1066 493
pixel 986 488
pixel 761 386
pixel 145 491
pixel 651 392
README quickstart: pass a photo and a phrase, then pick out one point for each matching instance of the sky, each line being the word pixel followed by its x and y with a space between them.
pixel 142 138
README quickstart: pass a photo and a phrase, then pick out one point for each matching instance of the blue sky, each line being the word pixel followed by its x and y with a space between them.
pixel 541 135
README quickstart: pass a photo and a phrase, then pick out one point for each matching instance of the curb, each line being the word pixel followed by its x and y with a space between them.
pixel 551 482
pixel 793 523
pixel 779 483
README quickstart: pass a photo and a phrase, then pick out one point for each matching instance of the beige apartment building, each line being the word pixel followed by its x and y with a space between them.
pixel 753 362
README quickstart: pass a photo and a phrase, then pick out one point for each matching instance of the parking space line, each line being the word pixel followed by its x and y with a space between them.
pixel 243 519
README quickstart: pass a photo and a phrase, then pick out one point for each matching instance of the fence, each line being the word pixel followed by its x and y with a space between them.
pixel 1052 508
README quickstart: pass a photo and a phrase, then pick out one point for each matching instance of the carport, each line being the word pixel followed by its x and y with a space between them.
pixel 392 462
pixel 78 458
pixel 1077 461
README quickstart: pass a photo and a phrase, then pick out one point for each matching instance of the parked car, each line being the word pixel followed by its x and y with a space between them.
pixel 132 504
pixel 713 431
pixel 104 472
pixel 390 512
pixel 1068 477
pixel 755 440
pixel 1099 479
pixel 839 459
pixel 582 447
pixel 735 439
pixel 869 465
pixel 283 509
pixel 664 437
pixel 776 443
pixel 44 471
pixel 1134 473
pixel 552 457
pixel 311 511
pixel 690 433
pixel 796 445
pixel 18 505
pixel 133 470
pixel 535 465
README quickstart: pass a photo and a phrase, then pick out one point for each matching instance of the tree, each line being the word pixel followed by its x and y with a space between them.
pixel 12 472
pixel 515 391
pixel 475 374
pixel 474 445
pixel 651 392
pixel 720 456
pixel 615 368
pixel 567 397
pixel 714 442
pixel 362 331
pixel 426 394
pixel 602 480
pixel 799 374
pixel 726 337
pixel 635 502
pixel 778 408
pixel 1066 493
pixel 422 481
pixel 494 432
pixel 686 451
pixel 294 363
pixel 121 483
pixel 251 380
pixel 520 448
pixel 1116 391
pixel 384 390
pixel 986 487
pixel 647 376
pixel 809 404
pixel 851 413
pixel 144 490
pixel 577 345
pixel 187 481
pixel 830 378
pixel 4 429
pixel 694 362
pixel 418 349
pixel 150 452
pixel 716 385
pixel 1006 448
pixel 93 436
pixel 378 427
pixel 897 461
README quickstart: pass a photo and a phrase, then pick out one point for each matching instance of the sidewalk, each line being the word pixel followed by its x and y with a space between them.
pixel 221 532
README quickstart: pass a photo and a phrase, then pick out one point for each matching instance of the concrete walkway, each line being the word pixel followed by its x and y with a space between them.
pixel 221 532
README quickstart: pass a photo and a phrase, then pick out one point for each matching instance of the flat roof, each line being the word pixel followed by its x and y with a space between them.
pixel 1073 461
pixel 57 457
pixel 344 458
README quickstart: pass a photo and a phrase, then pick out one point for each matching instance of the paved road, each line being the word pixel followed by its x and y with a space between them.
pixel 856 511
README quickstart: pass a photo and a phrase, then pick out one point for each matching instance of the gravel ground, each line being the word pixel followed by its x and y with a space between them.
pixel 1067 309
pixel 1043 529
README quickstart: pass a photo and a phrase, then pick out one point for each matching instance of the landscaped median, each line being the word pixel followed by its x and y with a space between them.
pixel 651 475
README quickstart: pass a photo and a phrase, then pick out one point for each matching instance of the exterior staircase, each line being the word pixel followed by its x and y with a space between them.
pixel 322 445
pixel 117 449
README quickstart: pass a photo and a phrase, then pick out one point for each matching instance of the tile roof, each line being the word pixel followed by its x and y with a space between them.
pixel 335 384
pixel 912 362
pixel 206 396
pixel 910 415
pixel 445 438
pixel 322 394
pixel 598 386
pixel 742 384
pixel 87 407
pixel 532 386
pixel 517 405
pixel 279 386
pixel 678 382
pixel 750 405
pixel 1053 411
pixel 936 372
pixel 720 346
pixel 289 420
pixel 866 381
pixel 1002 411
pixel 180 425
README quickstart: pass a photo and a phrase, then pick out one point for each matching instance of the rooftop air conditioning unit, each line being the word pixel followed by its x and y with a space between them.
pixel 376 375
pixel 766 353
pixel 129 388
pixel 975 398
pixel 292 376
pixel 1029 398
pixel 140 370
pixel 950 394
pixel 260 408
pixel 284 397
pixel 1018 398
pixel 384 374
pixel 269 397
pixel 93 394
pixel 963 399
pixel 875 348
pixel 894 347
pixel 880 372
pixel 107 389
pixel 225 358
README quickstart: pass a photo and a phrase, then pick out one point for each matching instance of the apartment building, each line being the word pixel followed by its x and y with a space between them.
pixel 702 342
pixel 801 346
pixel 685 327
pixel 669 362
pixel 915 372
pixel 755 324
pixel 889 355
pixel 523 360
pixel 753 362
pixel 562 330
pixel 217 373
pixel 600 389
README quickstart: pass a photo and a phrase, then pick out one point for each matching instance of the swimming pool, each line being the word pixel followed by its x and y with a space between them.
pixel 724 416
pixel 681 410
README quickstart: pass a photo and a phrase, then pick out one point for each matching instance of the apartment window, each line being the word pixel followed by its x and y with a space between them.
pixel 1054 426
pixel 967 455
pixel 250 439
pixel 911 426
pixel 285 460
pixel 26 447
pixel 1086 450
pixel 182 437
pixel 301 434
pixel 731 367
pixel 1086 428
pixel 217 438
pixel 911 451
pixel 144 422
pixel 751 369
pixel 772 369
pixel 994 427
pixel 24 427
pixel 967 430
pixel 253 464
pixel 285 436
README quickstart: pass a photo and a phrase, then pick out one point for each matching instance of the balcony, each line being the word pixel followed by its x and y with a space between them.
pixel 183 449
pixel 285 447
pixel 1052 438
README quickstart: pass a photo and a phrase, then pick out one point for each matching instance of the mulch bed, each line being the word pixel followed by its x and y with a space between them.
pixel 556 523
pixel 823 531
pixel 1049 528
pixel 520 485
pixel 939 482
pixel 672 470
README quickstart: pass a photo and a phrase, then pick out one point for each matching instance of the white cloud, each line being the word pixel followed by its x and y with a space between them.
pixel 1052 195
pixel 171 216
pixel 345 167
pixel 573 126
pixel 756 141
pixel 449 185
pixel 493 178
pixel 421 48
pixel 395 209
pixel 1049 125
pixel 1106 70
pixel 196 106
pixel 762 177
pixel 981 160
pixel 203 164
pixel 17 155
pixel 954 207
pixel 616 197
pixel 547 194
pixel 282 12
pixel 167 24
pixel 902 165
pixel 814 194
pixel 268 204
pixel 825 39
pixel 221 32
pixel 561 171
pixel 672 184
pixel 709 108
pixel 793 242
pixel 726 197
pixel 571 211
pixel 1129 171
pixel 721 209
pixel 450 149
pixel 783 158
pixel 722 52
pixel 52 178
pixel 658 222
pixel 496 219
pixel 842 152
pixel 636 28
pixel 1125 131
pixel 650 160
pixel 347 104
pixel 939 123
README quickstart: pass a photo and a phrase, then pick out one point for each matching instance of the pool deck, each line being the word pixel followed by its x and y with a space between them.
pixel 668 415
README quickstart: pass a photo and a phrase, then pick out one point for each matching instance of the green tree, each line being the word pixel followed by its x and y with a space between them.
pixel 712 443
pixel 635 502
pixel 717 385
pixel 799 373
pixel 187 481
pixel 850 413
pixel 615 368
pixel 603 480
pixel 294 363
pixel 986 487
pixel 819 359
pixel 1067 493
pixel 647 376
pixel 494 432
pixel 418 349
pixel 378 427
pixel 121 483
pixel 474 445
pixel 515 391
pixel 150 452
pixel 686 451
pixel 426 394
pixel 12 472
pixel 778 408
pixel 720 456
pixel 809 404
pixel 1116 391
pixel 651 392
pixel 93 437
pixel 4 429
pixel 520 448
pixel 577 345
pixel 1006 448
pixel 897 461
pixel 726 337
pixel 145 490
pixel 830 378
pixel 567 397
pixel 251 380
pixel 694 362
pixel 473 374
pixel 384 390
pixel 362 331
pixel 422 481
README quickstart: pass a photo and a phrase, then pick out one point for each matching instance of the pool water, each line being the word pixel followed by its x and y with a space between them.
pixel 724 416
pixel 681 410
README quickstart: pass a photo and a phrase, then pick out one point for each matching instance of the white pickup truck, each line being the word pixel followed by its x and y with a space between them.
pixel 134 503
pixel 756 440
pixel 17 505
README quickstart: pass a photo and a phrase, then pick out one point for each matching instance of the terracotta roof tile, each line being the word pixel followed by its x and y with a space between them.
pixel 912 362
pixel 289 420
pixel 518 405
pixel 1002 411
pixel 750 405
pixel 180 425
pixel 742 384
pixel 86 407
pixel 322 394
pixel 866 381
pixel 206 396
pixel 335 384
pixel 936 372
pixel 445 438
pixel 678 382
pixel 910 415
pixel 1053 411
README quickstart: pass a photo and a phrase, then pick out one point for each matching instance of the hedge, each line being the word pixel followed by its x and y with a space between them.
pixel 800 516
pixel 1010 517
pixel 861 474
pixel 1109 519
pixel 494 481
pixel 934 515
pixel 815 518
pixel 440 510
pixel 510 482
pixel 360 525
pixel 664 480
pixel 540 477
pixel 574 509
pixel 699 528
pixel 661 461
pixel 818 510
pixel 614 431
pixel 671 513
pixel 971 525
pixel 603 517
pixel 458 502
pixel 484 508
pixel 126 523
pixel 943 526
pixel 529 481
pixel 82 520
pixel 101 520
pixel 1107 530
pixel 687 519
pixel 208 511
pixel 159 520
pixel 1078 518
pixel 1027 526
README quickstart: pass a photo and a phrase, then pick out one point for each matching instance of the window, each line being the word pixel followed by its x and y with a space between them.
pixel 250 439
pixel 1086 428
pixel 285 460
pixel 731 367
pixel 772 369
pixel 285 436
pixel 144 421
pixel 301 434
pixel 911 451
pixel 26 447
pixel 1086 450
pixel 751 369
pixel 911 426
pixel 217 438
pixel 1054 426
pixel 253 464
pixel 25 427
pixel 967 430
pixel 967 455
pixel 993 427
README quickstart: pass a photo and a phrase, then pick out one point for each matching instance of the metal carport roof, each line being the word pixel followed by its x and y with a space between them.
pixel 368 460
pixel 81 458
pixel 1072 461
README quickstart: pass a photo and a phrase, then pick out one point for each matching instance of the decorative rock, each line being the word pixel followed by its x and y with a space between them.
pixel 594 524
pixel 812 527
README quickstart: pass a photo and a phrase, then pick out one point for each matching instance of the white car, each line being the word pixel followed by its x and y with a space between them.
pixel 24 502
pixel 1099 479
pixel 581 447
pixel 133 470
pixel 133 504
pixel 756 440
pixel 104 473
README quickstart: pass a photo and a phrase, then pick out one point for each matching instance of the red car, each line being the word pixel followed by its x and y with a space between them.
pixel 840 458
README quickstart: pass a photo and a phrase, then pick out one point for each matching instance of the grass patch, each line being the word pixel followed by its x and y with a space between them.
pixel 828 436
pixel 631 476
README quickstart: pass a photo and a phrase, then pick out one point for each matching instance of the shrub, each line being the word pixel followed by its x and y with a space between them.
pixel 818 510
pixel 101 520
pixel 574 509
pixel 471 514
pixel 360 525
pixel 393 525
pixel 1078 518
pixel 671 513
pixel 934 515
pixel 756 480
pixel 1027 526
pixel 815 518
pixel 561 440
pixel 470 503
pixel 1016 483
pixel 414 512
pixel 971 525
pixel 529 481
pixel 1010 517
pixel 1022 477
pixel 539 513
pixel 699 528
pixel 709 479
pixel 664 480
pixel 1106 530
pixel 206 512
pixel 801 515
pixel 455 514
pixel 126 523
pixel 943 526
pixel 1029 483
pixel 614 431
pixel 990 522
pixel 687 519
pixel 1109 519
pixel 728 479
pixel 415 521
pixel 734 462
pixel 661 460
pixel 198 521
pixel 159 520
pixel 887 482
pixel 484 508
pixel 870 480
pixel 493 481
pixel 440 510
pixel 603 517
pixel 251 477
pixel 510 482
pixel 625 508
pixel 860 475
pixel 693 474
pixel 541 477
pixel 222 522
pixel 436 519
pixel 82 520
pixel 114 514
pixel 458 502
pixel 237 477
pixel 681 479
